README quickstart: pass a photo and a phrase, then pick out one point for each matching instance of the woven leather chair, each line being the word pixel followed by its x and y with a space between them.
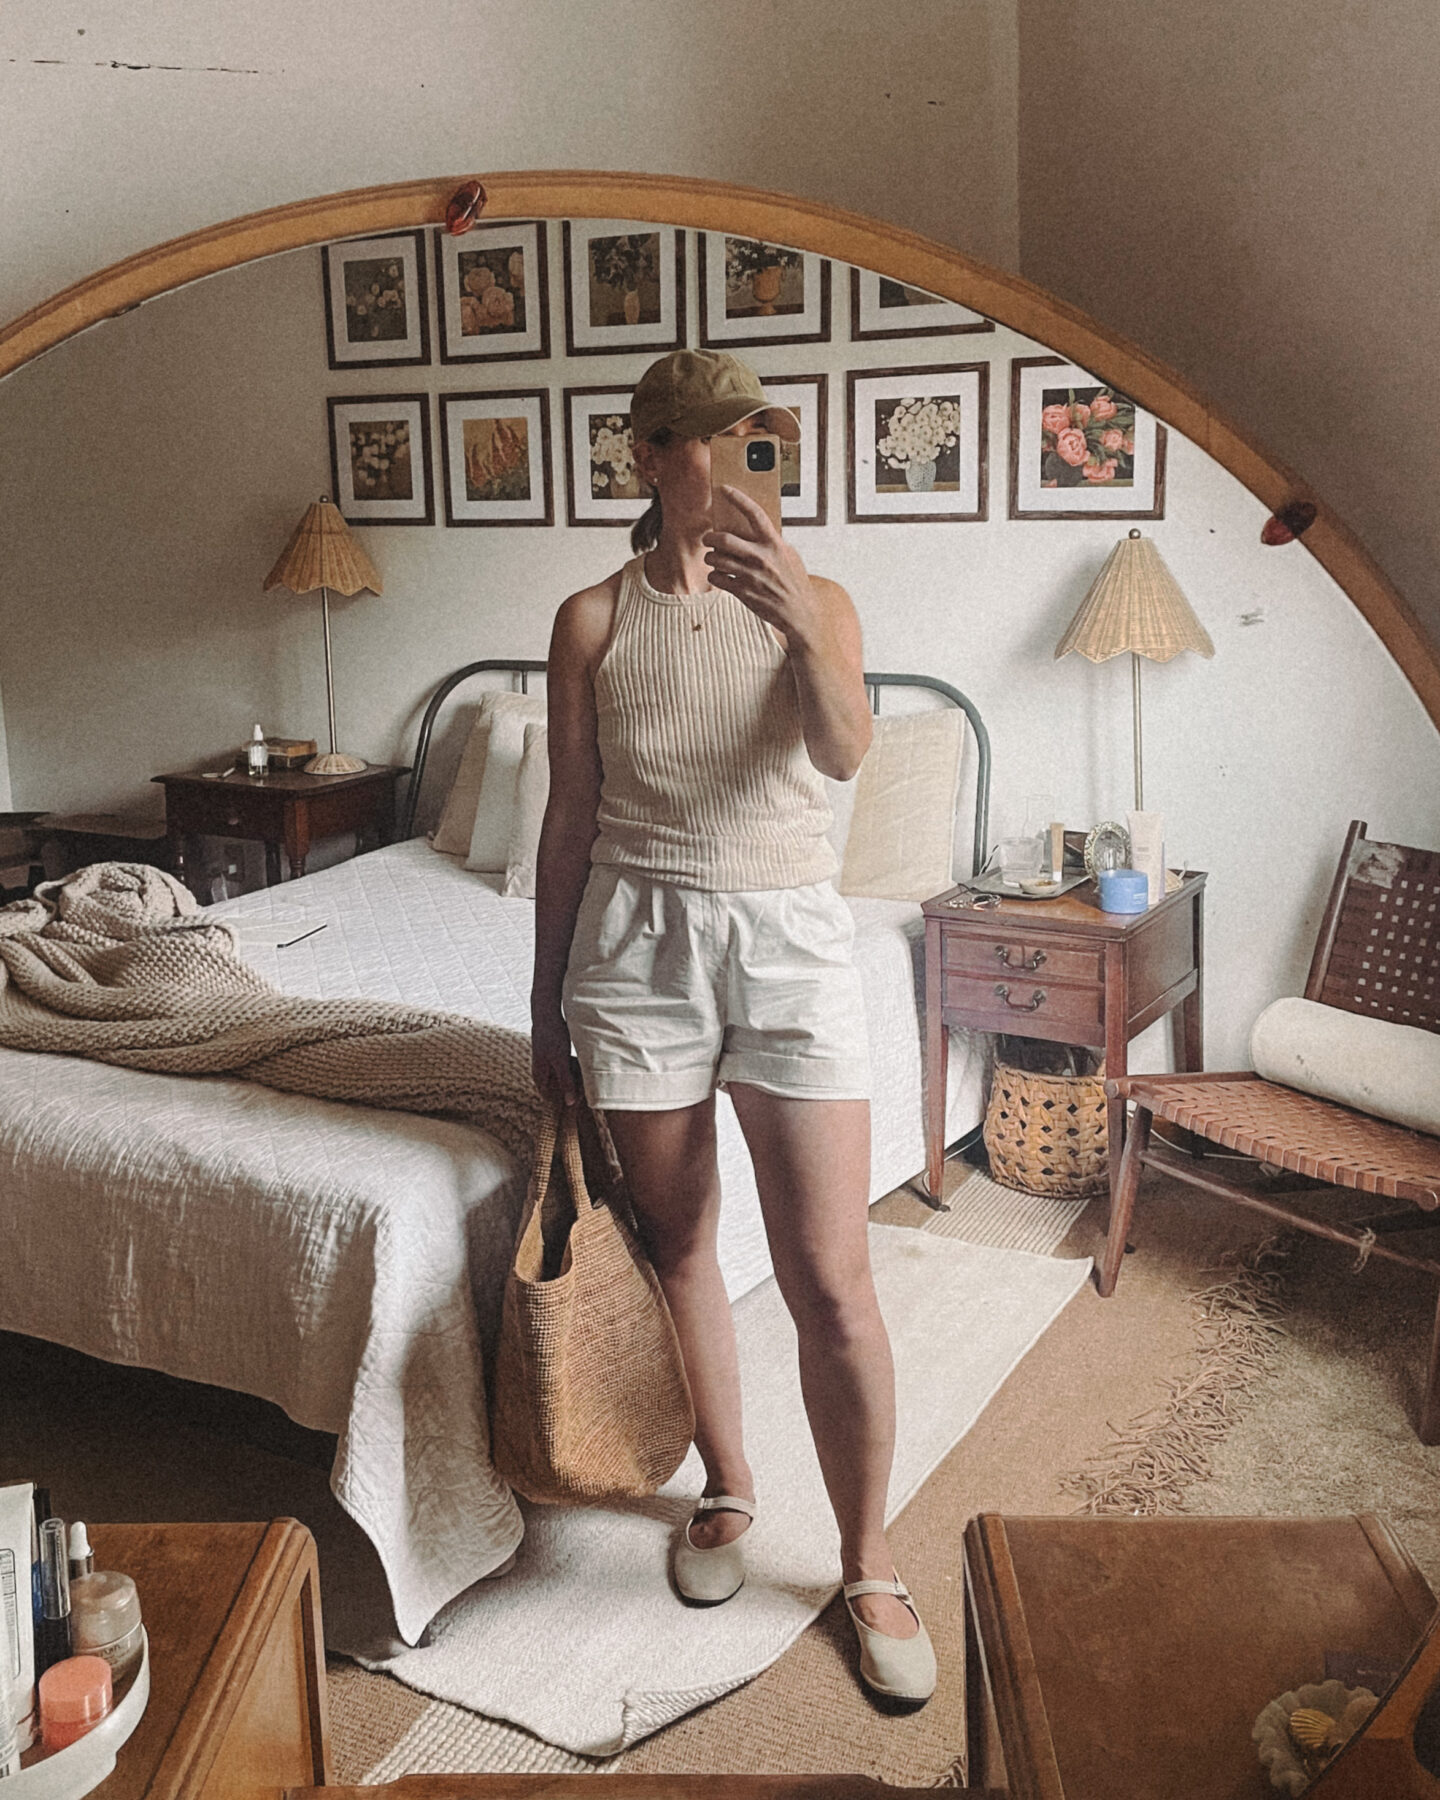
pixel 1378 954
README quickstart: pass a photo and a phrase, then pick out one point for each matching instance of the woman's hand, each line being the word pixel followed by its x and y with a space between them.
pixel 764 573
pixel 550 1063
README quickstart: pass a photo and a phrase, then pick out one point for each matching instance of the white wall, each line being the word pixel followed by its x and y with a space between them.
pixel 169 455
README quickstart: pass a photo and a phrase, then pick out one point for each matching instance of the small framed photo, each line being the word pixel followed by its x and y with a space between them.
pixel 1079 448
pixel 375 308
pixel 757 293
pixel 601 485
pixel 380 459
pixel 882 308
pixel 624 287
pixel 802 465
pixel 917 442
pixel 494 293
pixel 496 450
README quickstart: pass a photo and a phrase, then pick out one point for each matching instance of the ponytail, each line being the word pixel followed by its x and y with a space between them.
pixel 645 532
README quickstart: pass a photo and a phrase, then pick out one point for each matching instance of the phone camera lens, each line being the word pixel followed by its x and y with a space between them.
pixel 760 457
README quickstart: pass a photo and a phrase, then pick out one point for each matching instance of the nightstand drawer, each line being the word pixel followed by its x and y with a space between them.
pixel 1003 956
pixel 1029 1005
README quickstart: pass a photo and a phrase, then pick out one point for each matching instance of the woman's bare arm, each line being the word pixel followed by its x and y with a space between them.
pixel 817 619
pixel 577 643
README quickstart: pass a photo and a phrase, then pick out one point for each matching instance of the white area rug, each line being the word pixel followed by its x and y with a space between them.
pixel 586 1644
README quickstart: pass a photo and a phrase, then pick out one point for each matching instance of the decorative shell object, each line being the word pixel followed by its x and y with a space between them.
pixel 1300 1732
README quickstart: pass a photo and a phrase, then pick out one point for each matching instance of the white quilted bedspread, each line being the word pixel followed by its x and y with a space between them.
pixel 344 1262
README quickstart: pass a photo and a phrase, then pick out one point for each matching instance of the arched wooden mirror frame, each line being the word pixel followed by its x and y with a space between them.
pixel 777 218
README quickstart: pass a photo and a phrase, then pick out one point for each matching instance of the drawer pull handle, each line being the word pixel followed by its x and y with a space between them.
pixel 234 819
pixel 1002 955
pixel 1033 1004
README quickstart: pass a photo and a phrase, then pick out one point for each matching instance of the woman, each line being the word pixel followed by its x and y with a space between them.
pixel 688 936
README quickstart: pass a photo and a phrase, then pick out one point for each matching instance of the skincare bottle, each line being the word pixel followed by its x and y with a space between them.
pixel 9 1700
pixel 82 1558
pixel 52 1638
pixel 105 1620
pixel 75 1695
pixel 257 753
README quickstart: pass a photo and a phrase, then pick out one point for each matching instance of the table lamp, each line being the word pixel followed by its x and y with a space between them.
pixel 1135 604
pixel 322 554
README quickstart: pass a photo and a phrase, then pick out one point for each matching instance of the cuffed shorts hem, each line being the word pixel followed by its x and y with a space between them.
pixel 647 1090
pixel 797 1077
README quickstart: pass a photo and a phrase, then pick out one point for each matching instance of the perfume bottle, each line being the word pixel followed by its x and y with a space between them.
pixel 257 753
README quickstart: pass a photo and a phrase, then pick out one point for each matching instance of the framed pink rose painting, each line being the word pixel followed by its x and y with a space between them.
pixel 494 299
pixel 1079 448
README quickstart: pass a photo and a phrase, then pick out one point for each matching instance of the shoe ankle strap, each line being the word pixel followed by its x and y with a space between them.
pixel 726 1503
pixel 853 1589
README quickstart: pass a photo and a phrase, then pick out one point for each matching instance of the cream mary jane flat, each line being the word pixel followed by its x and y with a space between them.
pixel 710 1576
pixel 898 1668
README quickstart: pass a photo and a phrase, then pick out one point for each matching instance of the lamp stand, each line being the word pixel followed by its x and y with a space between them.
pixel 333 762
pixel 1135 703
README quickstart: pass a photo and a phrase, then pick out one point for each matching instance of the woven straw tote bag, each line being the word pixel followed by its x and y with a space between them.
pixel 589 1399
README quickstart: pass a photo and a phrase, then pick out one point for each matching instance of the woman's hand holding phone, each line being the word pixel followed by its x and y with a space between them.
pixel 762 571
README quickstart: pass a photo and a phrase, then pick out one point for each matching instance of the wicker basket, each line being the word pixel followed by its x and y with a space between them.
pixel 1045 1133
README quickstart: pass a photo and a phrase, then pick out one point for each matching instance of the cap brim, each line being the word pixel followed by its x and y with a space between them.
pixel 719 415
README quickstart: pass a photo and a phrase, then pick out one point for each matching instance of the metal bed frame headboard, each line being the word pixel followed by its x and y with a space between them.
pixel 514 666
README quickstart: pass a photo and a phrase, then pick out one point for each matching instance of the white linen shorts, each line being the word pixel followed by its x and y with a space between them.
pixel 673 991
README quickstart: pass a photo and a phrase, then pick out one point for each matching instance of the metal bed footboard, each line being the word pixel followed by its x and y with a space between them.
pixel 524 669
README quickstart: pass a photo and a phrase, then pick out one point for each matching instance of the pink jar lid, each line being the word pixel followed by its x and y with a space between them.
pixel 76 1691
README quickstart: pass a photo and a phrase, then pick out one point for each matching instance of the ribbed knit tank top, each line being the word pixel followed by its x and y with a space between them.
pixel 707 782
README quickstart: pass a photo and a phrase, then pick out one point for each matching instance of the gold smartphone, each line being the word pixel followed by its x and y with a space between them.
pixel 751 464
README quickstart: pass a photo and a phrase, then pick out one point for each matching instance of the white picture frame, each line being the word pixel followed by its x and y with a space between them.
pixel 513 258
pixel 492 446
pixel 735 312
pixel 373 432
pixel 600 490
pixel 947 403
pixel 1046 480
pixel 377 312
pixel 604 313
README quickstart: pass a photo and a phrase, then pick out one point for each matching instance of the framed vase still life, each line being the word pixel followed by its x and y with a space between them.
pixel 376 312
pixel 1079 448
pixel 802 465
pixel 380 459
pixel 496 454
pixel 757 293
pixel 917 443
pixel 624 287
pixel 601 483
pixel 494 299
pixel 882 308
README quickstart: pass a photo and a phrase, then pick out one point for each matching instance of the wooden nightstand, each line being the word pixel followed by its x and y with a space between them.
pixel 286 807
pixel 1064 971
pixel 237 1666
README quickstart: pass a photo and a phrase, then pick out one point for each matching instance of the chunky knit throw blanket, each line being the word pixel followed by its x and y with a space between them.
pixel 117 963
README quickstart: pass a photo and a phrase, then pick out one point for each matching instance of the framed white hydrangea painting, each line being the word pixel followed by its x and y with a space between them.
pixel 601 485
pixel 917 441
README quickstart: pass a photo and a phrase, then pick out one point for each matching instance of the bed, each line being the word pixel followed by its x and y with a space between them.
pixel 347 1263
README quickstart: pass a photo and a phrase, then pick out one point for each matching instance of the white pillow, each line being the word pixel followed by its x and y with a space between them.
pixel 490 836
pixel 901 844
pixel 532 790
pixel 841 795
pixel 1374 1065
pixel 457 817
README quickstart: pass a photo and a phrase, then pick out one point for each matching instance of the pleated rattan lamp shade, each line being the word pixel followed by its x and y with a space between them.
pixel 322 554
pixel 1135 604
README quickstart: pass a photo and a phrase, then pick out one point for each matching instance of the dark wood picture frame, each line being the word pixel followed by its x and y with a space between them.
pixel 544 462
pixel 820 448
pixel 445 300
pixel 379 402
pixel 422 303
pixel 919 515
pixel 861 334
pixel 663 339
pixel 1155 509
pixel 755 340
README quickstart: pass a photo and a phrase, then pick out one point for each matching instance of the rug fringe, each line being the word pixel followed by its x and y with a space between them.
pixel 1153 1459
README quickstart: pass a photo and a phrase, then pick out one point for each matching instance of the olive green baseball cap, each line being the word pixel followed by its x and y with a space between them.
pixel 696 393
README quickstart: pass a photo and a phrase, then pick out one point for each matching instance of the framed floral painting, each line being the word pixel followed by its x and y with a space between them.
pixel 1079 448
pixel 380 459
pixel 496 450
pixel 601 485
pixel 802 465
pixel 882 308
pixel 757 293
pixel 494 293
pixel 917 443
pixel 624 287
pixel 376 312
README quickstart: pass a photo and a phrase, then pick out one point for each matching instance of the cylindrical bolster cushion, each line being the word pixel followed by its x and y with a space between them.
pixel 1374 1065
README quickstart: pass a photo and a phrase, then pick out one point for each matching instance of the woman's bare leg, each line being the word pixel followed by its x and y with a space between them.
pixel 674 1184
pixel 812 1167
